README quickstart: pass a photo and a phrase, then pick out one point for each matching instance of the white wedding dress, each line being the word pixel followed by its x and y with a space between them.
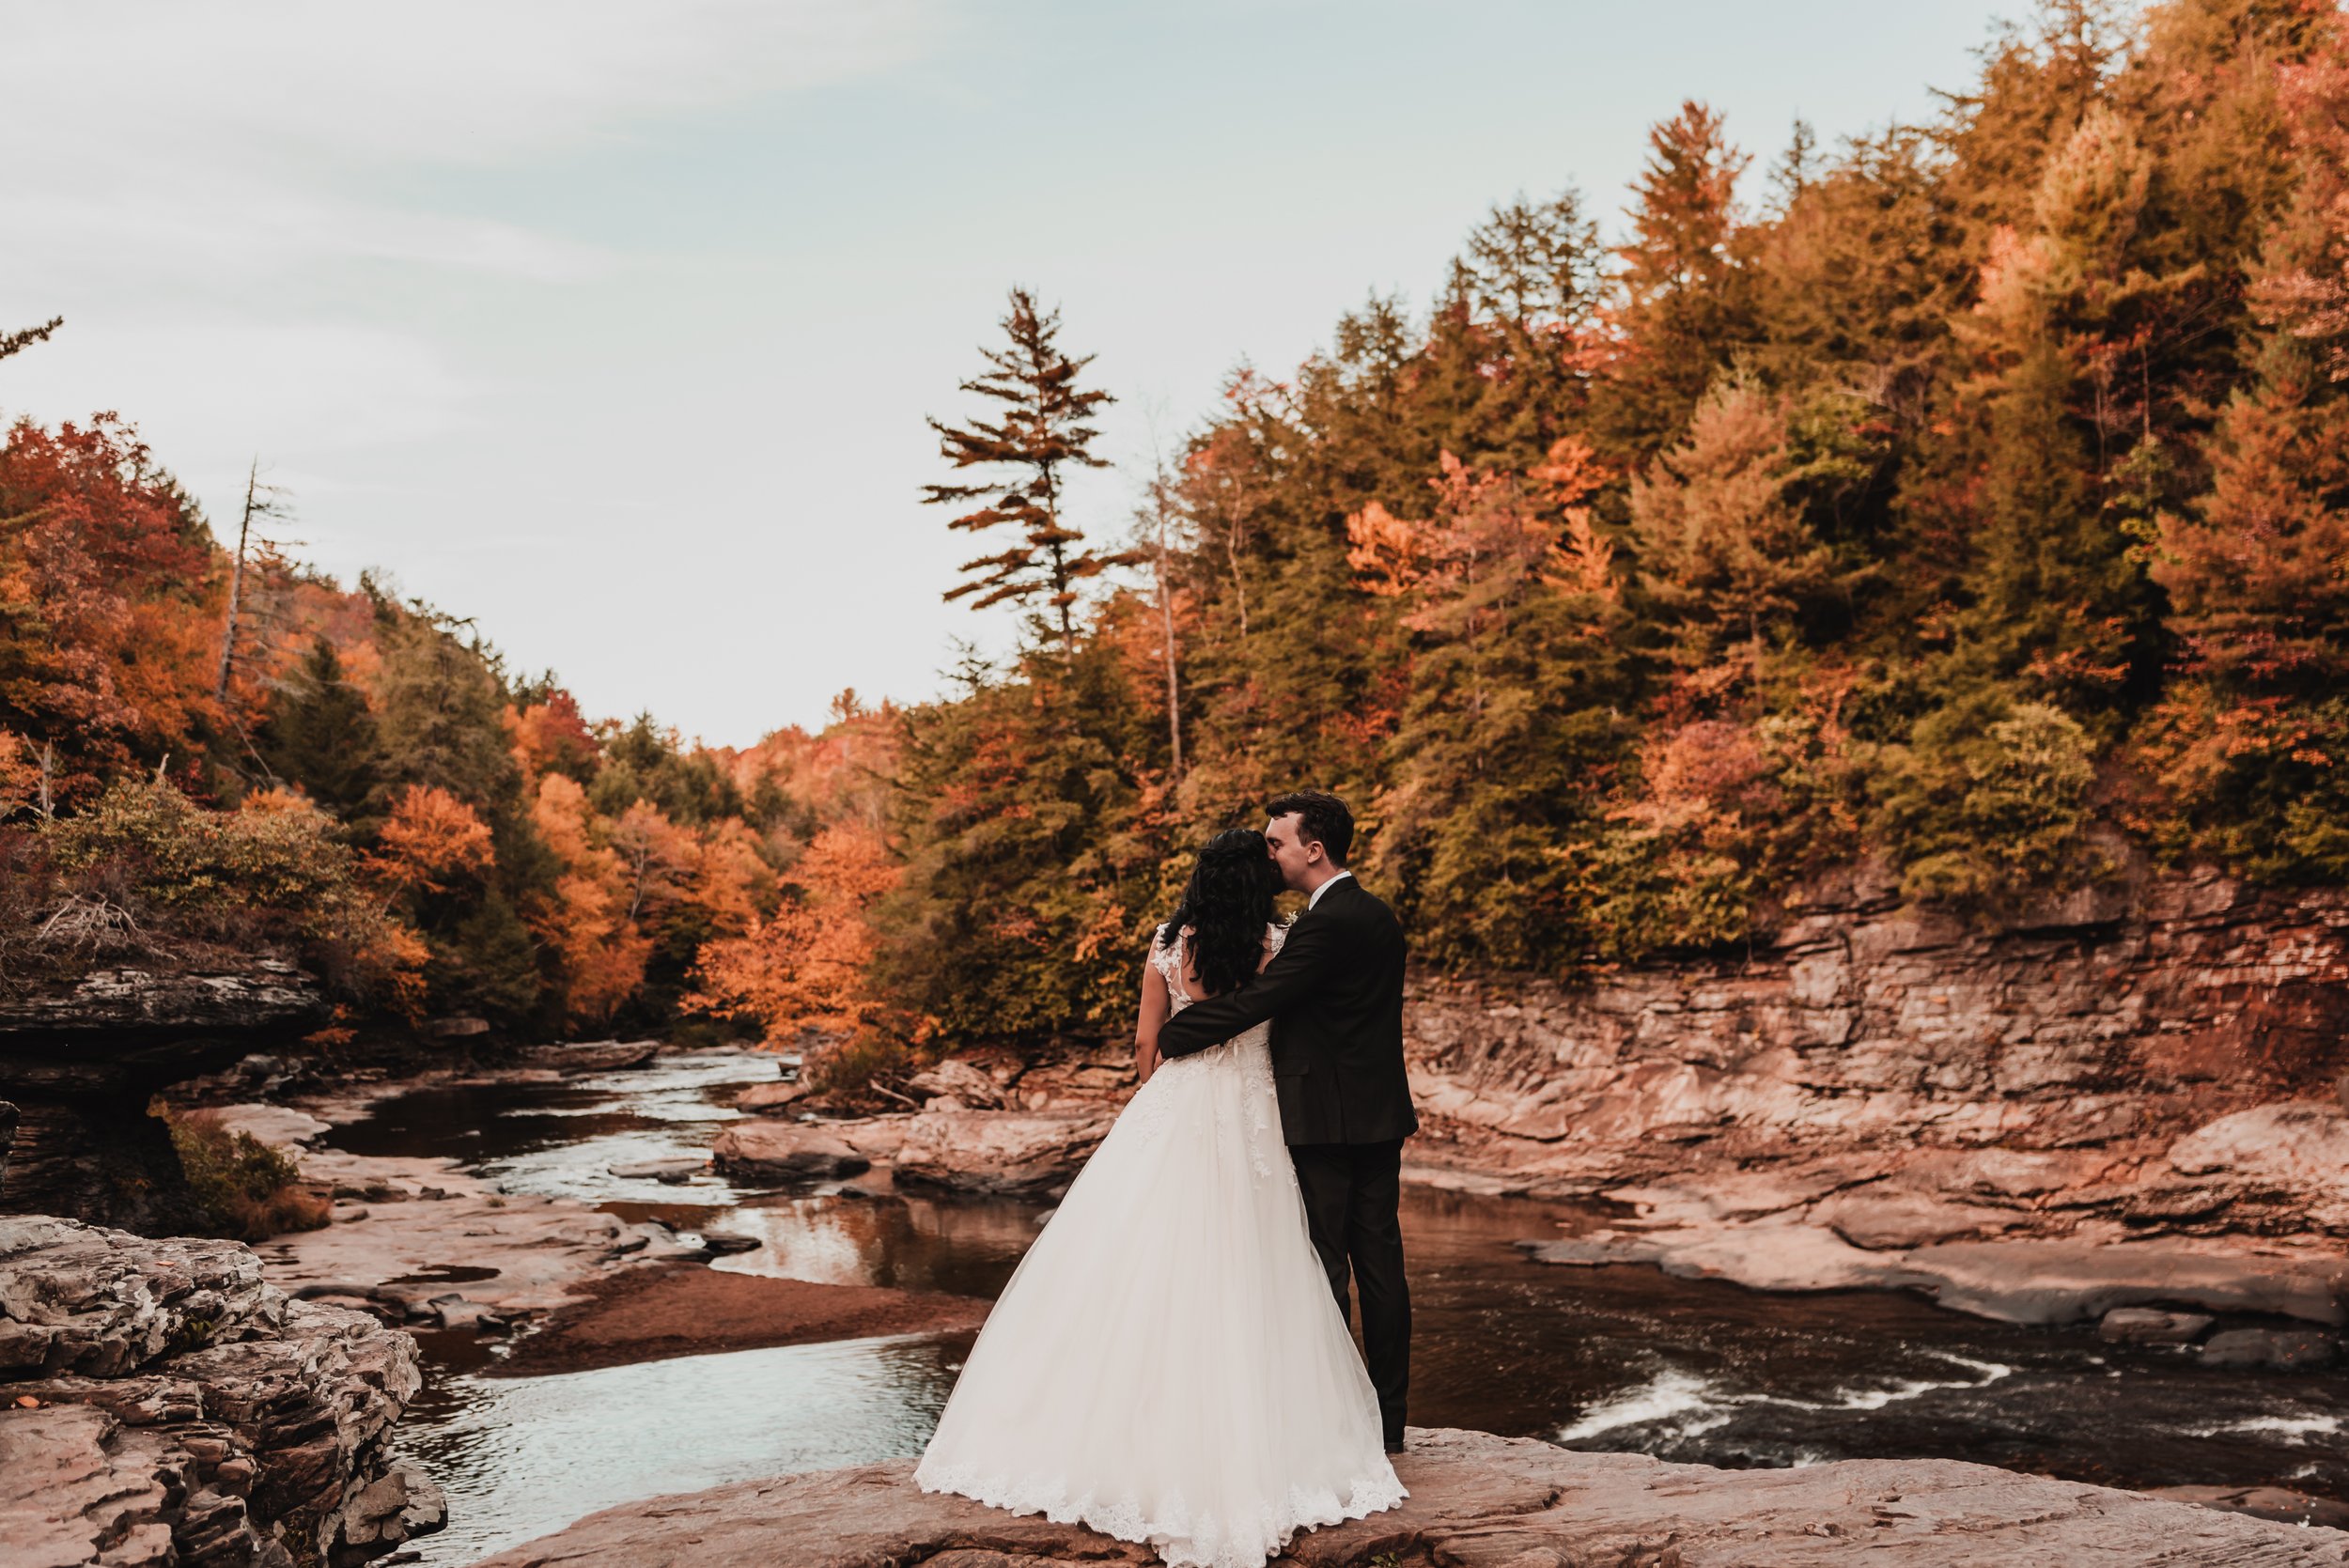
pixel 1167 1364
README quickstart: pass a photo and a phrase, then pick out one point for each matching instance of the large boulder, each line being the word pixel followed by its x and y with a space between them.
pixel 159 1404
pixel 772 1099
pixel 1477 1498
pixel 999 1152
pixel 757 1149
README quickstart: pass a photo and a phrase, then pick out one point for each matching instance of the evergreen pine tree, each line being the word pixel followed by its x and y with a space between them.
pixel 1043 431
pixel 1685 306
pixel 320 735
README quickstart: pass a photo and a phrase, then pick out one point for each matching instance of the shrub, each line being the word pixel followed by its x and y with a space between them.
pixel 1989 799
pixel 248 1190
pixel 848 1070
pixel 274 871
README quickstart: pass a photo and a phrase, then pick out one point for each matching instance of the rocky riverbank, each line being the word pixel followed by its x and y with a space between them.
pixel 1477 1498
pixel 2128 1098
pixel 423 1241
pixel 2165 1058
pixel 161 1404
pixel 426 1243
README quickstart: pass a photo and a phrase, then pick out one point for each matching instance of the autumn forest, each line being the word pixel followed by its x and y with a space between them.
pixel 1970 500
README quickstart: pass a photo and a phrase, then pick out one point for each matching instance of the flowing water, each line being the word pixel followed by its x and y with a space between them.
pixel 1612 1358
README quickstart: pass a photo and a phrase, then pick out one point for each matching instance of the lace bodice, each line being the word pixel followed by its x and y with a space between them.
pixel 1168 957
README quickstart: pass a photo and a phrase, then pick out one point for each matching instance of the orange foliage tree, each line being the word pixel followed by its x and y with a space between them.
pixel 107 578
pixel 598 946
pixel 804 969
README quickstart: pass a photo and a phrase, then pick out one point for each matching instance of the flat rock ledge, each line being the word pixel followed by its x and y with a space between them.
pixel 419 1240
pixel 162 1405
pixel 1481 1501
pixel 950 1149
pixel 2025 1280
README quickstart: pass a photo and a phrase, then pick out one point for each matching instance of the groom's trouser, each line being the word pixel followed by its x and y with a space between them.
pixel 1352 1194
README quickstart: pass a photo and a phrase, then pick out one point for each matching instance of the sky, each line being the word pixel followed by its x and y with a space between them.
pixel 613 326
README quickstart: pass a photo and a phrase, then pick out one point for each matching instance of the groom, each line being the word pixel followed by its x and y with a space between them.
pixel 1334 994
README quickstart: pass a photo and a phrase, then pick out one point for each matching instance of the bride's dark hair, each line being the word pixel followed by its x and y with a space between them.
pixel 1227 904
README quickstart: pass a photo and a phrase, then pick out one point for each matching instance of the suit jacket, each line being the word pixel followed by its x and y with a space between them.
pixel 1334 995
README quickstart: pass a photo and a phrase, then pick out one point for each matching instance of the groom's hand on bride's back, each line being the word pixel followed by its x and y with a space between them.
pixel 1292 975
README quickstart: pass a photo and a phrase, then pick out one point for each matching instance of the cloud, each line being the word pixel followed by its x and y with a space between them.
pixel 204 391
pixel 242 136
pixel 459 81
pixel 243 207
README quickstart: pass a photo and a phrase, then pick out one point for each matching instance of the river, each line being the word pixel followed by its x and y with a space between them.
pixel 1613 1359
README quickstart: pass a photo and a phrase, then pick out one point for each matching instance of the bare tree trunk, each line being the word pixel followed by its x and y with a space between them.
pixel 1239 584
pixel 236 581
pixel 1160 506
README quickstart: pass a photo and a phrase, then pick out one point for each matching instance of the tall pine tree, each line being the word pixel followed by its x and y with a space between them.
pixel 1042 432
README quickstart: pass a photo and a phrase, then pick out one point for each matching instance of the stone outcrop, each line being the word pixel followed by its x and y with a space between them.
pixel 81 1064
pixel 763 1150
pixel 1489 1501
pixel 159 1403
pixel 271 995
pixel 999 1152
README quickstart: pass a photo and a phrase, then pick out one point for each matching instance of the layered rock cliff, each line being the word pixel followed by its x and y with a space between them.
pixel 2149 1063
pixel 80 1064
pixel 159 1403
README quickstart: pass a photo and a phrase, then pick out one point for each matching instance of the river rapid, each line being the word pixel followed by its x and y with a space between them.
pixel 1612 1358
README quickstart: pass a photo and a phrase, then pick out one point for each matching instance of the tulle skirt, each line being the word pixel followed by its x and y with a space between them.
pixel 1167 1364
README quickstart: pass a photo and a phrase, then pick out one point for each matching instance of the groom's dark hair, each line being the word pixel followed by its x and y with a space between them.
pixel 1321 819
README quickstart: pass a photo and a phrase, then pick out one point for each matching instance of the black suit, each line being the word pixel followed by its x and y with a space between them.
pixel 1335 996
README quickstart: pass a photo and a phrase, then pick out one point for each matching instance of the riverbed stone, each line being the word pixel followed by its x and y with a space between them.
pixel 761 1149
pixel 966 1085
pixel 725 1243
pixel 772 1099
pixel 1489 1502
pixel 2283 1348
pixel 2281 1504
pixel 2151 1326
pixel 676 1168
pixel 999 1152
pixel 590 1056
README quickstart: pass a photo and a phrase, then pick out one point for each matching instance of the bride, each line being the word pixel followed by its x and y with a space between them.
pixel 1167 1364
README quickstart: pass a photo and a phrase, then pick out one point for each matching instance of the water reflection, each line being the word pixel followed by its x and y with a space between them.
pixel 907 1243
pixel 1613 1359
pixel 522 1456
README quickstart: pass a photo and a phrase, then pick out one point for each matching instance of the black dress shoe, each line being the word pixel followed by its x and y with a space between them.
pixel 1394 1445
